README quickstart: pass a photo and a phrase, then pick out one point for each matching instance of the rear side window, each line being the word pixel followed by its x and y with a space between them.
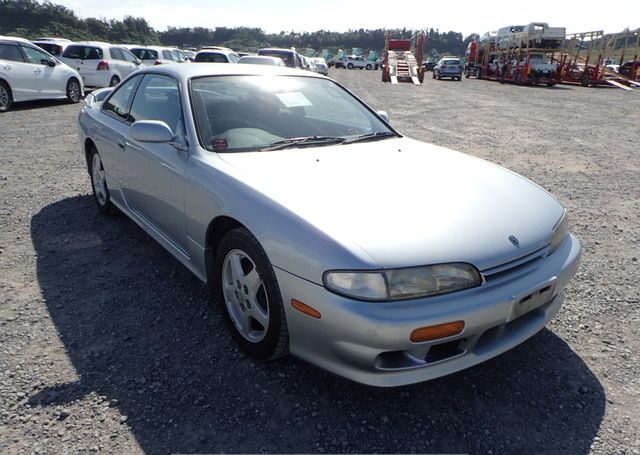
pixel 83 52
pixel 51 48
pixel 118 103
pixel 10 52
pixel 145 54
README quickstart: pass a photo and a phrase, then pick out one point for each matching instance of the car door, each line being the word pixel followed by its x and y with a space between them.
pixel 155 179
pixel 51 81
pixel 110 135
pixel 129 62
pixel 20 75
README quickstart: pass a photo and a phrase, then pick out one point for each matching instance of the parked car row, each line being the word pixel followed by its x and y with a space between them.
pixel 28 73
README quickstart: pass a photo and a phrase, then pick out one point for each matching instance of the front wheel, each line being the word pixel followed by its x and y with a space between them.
pixel 247 290
pixel 369 67
pixel 99 184
pixel 6 99
pixel 115 80
pixel 73 90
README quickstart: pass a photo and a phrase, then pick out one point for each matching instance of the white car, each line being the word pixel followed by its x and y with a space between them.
pixel 156 55
pixel 321 66
pixel 30 73
pixel 100 64
pixel 355 61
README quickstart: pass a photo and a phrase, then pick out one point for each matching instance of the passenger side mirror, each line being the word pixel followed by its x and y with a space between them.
pixel 154 131
pixel 383 115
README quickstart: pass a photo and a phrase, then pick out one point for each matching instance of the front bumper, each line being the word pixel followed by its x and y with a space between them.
pixel 369 342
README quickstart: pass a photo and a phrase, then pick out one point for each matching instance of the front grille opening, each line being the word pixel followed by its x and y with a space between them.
pixel 444 351
pixel 421 355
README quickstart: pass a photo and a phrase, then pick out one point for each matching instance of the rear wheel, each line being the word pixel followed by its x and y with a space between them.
pixel 73 90
pixel 350 66
pixel 115 80
pixel 6 99
pixel 247 290
pixel 585 80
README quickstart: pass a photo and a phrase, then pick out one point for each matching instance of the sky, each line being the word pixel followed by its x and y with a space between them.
pixel 272 16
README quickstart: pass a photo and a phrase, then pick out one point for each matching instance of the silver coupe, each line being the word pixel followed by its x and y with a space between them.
pixel 322 231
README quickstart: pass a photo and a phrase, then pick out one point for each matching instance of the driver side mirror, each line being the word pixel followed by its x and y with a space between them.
pixel 154 131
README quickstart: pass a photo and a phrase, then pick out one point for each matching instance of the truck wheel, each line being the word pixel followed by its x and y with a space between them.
pixel 585 80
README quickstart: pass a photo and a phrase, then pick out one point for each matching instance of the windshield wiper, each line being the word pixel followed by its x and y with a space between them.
pixel 370 137
pixel 302 141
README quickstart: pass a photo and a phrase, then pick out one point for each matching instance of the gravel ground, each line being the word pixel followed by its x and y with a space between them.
pixel 107 344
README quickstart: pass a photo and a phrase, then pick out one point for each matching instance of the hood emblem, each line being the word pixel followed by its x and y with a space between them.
pixel 514 240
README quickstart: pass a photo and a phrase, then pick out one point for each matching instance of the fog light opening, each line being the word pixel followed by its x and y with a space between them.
pixel 435 332
pixel 306 309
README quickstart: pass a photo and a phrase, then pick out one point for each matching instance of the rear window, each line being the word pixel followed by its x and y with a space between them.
pixel 10 52
pixel 83 52
pixel 211 57
pixel 451 62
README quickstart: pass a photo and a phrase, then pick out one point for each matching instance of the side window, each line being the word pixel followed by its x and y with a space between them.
pixel 157 99
pixel 127 56
pixel 115 53
pixel 72 52
pixel 35 56
pixel 167 55
pixel 118 103
pixel 10 52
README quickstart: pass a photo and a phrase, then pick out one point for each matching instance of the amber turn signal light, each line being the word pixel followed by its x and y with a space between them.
pixel 435 332
pixel 304 308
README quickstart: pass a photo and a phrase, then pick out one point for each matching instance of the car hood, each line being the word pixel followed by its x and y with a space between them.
pixel 405 202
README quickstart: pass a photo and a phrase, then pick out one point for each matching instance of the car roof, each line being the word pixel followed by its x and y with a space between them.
pixel 184 72
pixel 93 43
pixel 216 51
pixel 277 49
pixel 14 38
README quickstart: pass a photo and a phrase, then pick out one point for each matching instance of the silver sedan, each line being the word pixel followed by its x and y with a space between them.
pixel 322 231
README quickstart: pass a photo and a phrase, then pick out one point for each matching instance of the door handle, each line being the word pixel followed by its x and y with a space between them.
pixel 37 71
pixel 6 67
pixel 121 145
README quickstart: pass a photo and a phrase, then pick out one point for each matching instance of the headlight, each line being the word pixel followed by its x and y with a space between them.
pixel 394 284
pixel 559 232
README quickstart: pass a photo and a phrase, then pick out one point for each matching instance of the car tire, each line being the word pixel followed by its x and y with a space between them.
pixel 368 67
pixel 6 98
pixel 433 75
pixel 350 66
pixel 73 90
pixel 99 183
pixel 247 290
pixel 115 80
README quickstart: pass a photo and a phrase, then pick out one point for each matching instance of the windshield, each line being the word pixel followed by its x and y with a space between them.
pixel 248 113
